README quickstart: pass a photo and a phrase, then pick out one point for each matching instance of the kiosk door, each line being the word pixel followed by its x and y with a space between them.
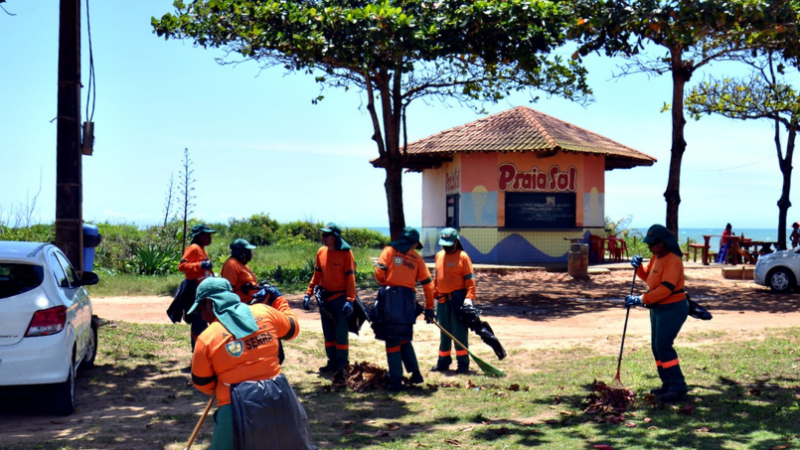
pixel 453 214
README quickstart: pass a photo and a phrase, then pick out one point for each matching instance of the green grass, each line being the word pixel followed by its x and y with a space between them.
pixel 117 284
pixel 745 395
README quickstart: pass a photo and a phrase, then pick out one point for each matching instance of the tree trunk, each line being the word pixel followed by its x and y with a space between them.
pixel 388 141
pixel 786 170
pixel 680 75
pixel 394 198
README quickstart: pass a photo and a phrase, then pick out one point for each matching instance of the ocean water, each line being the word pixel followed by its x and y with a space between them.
pixel 696 234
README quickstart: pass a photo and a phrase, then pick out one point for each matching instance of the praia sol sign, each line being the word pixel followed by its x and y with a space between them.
pixel 510 179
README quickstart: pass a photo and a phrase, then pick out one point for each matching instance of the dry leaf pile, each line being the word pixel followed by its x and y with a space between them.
pixel 608 404
pixel 361 377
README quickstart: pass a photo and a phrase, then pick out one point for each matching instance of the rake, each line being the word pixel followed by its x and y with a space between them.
pixel 617 383
pixel 200 422
pixel 487 368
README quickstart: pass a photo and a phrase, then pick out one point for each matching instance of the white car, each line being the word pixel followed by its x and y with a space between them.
pixel 780 270
pixel 46 327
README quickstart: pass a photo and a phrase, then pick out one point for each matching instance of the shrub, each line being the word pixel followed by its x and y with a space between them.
pixel 155 259
pixel 365 238
pixel 259 229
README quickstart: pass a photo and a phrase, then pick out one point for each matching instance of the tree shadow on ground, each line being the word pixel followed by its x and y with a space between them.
pixel 117 406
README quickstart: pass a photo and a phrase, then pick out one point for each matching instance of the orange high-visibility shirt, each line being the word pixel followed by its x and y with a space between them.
pixel 190 263
pixel 219 360
pixel 239 275
pixel 664 277
pixel 453 272
pixel 335 271
pixel 404 269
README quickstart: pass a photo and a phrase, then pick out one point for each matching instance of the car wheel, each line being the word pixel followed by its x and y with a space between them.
pixel 781 279
pixel 91 351
pixel 63 395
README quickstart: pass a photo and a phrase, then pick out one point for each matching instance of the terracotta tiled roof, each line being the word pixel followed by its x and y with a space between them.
pixel 522 129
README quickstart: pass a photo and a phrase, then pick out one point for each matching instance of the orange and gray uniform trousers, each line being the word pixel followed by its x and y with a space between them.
pixel 335 274
pixel 399 273
pixel 668 311
pixel 193 257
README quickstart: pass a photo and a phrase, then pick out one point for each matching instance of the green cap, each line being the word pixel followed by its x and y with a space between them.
pixel 407 238
pixel 201 228
pixel 448 237
pixel 234 315
pixel 241 244
pixel 331 227
pixel 661 233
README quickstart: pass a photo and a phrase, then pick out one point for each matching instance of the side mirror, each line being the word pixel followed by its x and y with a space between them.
pixel 88 279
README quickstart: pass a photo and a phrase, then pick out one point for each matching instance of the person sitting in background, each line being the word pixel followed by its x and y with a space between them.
pixel 723 253
pixel 794 238
pixel 235 270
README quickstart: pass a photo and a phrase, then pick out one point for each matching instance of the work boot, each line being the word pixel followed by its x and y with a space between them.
pixel 462 370
pixel 395 385
pixel 440 368
pixel 328 368
pixel 673 396
pixel 660 391
pixel 416 377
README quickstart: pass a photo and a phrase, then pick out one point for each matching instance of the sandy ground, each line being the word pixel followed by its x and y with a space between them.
pixel 532 310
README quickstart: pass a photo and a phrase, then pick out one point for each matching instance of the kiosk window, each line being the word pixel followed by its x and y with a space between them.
pixel 540 210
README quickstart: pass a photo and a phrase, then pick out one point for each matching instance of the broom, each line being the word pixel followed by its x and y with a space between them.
pixel 487 368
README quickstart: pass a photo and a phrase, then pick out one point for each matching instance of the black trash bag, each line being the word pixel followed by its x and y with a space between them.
pixel 697 311
pixel 184 299
pixel 268 416
pixel 469 316
pixel 394 313
pixel 359 316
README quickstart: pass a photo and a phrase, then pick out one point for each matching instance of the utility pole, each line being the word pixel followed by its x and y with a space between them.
pixel 69 179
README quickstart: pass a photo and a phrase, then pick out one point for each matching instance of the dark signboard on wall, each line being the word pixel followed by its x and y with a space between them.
pixel 539 210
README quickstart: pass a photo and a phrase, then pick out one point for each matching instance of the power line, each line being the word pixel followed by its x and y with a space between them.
pixel 731 168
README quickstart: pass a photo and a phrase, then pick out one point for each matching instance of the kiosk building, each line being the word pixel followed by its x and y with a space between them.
pixel 518 185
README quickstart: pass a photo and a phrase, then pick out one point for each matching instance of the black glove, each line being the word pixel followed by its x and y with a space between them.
pixel 430 316
pixel 246 288
pixel 206 265
pixel 347 309
pixel 306 301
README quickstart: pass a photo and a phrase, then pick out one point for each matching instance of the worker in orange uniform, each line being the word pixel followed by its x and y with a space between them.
pixel 668 306
pixel 334 281
pixel 196 265
pixel 236 358
pixel 235 270
pixel 454 289
pixel 398 270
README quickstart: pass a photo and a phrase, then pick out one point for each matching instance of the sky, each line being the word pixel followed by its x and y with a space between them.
pixel 259 145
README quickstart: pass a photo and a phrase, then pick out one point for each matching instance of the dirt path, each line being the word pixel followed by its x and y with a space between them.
pixel 550 310
pixel 534 310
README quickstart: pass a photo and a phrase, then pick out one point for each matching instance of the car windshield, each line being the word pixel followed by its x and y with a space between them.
pixel 16 278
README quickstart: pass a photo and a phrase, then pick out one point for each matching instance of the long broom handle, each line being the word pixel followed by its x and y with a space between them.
pixel 625 328
pixel 200 422
pixel 451 337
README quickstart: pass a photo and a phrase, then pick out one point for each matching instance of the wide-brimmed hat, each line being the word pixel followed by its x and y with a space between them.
pixel 340 243
pixel 241 244
pixel 234 315
pixel 661 233
pixel 407 238
pixel 201 228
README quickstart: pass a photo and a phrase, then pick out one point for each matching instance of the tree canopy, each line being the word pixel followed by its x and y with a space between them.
pixel 395 51
pixel 766 94
pixel 692 34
